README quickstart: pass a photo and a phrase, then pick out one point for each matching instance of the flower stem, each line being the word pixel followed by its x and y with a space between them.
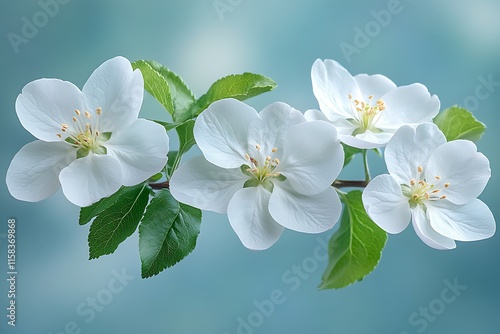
pixel 367 169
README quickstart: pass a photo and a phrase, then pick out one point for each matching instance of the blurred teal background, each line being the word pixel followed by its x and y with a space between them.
pixel 450 46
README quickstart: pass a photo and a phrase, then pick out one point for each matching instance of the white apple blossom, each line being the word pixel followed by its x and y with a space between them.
pixel 433 183
pixel 367 109
pixel 268 171
pixel 90 142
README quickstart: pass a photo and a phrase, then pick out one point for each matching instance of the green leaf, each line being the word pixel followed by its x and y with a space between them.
pixel 172 155
pixel 118 221
pixel 155 84
pixel 89 212
pixel 168 126
pixel 167 234
pixel 459 123
pixel 349 153
pixel 355 248
pixel 237 86
pixel 169 89
pixel 186 141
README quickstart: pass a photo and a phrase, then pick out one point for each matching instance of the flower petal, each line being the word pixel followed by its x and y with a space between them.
pixel 201 184
pixel 33 173
pixel 376 85
pixel 459 164
pixel 469 222
pixel 118 90
pixel 45 104
pixel 409 105
pixel 410 148
pixel 221 132
pixel 312 157
pixel 270 130
pixel 307 214
pixel 386 205
pixel 332 85
pixel 141 149
pixel 425 232
pixel 365 140
pixel 315 115
pixel 87 180
pixel 249 217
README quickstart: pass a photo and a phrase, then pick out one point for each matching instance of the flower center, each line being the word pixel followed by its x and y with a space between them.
pixel 262 171
pixel 367 114
pixel 418 192
pixel 83 134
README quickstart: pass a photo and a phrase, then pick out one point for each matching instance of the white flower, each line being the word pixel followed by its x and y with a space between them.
pixel 435 184
pixel 268 171
pixel 367 109
pixel 90 141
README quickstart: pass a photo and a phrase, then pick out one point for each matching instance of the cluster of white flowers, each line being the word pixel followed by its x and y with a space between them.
pixel 267 170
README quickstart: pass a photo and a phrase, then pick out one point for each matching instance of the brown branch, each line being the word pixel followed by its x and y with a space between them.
pixel 161 185
pixel 349 183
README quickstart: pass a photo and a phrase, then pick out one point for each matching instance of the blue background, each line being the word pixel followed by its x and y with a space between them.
pixel 447 45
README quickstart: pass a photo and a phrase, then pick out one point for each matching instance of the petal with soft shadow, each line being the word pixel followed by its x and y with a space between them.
pixel 307 214
pixel 87 180
pixel 386 205
pixel 463 172
pixel 44 105
pixel 427 234
pixel 141 149
pixel 249 216
pixel 118 90
pixel 221 132
pixel 312 158
pixel 470 222
pixel 206 186
pixel 332 85
pixel 410 148
pixel 33 174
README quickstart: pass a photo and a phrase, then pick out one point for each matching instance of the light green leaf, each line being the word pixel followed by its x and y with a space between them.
pixel 155 84
pixel 459 123
pixel 179 98
pixel 349 153
pixel 355 249
pixel 118 221
pixel 237 86
pixel 167 234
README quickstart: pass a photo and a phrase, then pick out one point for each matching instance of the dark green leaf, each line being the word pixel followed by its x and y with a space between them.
pixel 459 123
pixel 118 221
pixel 186 141
pixel 355 249
pixel 237 86
pixel 167 234
pixel 89 212
pixel 155 84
